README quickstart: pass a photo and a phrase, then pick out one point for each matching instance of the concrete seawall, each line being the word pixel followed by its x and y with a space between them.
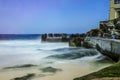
pixel 109 47
pixel 106 44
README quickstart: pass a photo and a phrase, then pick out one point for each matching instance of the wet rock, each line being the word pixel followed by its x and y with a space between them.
pixel 26 77
pixel 50 69
pixel 44 37
pixel 64 38
pixel 21 66
pixel 76 42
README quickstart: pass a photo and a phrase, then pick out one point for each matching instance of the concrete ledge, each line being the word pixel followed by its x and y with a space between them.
pixel 108 47
pixel 111 45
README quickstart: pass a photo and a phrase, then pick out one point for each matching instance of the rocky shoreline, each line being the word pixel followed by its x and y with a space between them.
pixel 107 29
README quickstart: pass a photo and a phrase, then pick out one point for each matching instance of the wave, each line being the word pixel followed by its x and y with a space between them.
pixel 73 53
pixel 104 59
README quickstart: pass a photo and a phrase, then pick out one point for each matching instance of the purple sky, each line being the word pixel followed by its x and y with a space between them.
pixel 45 16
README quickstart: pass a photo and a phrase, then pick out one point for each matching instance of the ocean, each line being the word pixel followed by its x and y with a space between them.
pixel 48 61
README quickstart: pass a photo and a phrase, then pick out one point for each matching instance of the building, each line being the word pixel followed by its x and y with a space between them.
pixel 114 9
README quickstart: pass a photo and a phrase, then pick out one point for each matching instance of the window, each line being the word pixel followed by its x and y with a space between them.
pixel 117 1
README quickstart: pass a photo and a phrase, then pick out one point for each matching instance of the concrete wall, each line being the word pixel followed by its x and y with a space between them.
pixel 106 44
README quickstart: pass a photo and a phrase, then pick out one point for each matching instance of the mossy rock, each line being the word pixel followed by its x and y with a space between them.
pixel 111 71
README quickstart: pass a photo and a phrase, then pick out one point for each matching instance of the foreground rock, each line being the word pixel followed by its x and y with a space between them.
pixel 104 74
pixel 26 77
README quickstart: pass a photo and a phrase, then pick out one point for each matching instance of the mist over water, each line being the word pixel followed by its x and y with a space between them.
pixel 73 62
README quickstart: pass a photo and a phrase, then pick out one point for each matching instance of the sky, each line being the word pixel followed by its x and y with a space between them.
pixel 51 16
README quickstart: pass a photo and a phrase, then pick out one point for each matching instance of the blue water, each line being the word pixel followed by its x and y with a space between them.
pixel 19 36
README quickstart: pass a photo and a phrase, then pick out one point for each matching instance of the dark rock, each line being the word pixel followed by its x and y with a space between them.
pixel 76 42
pixel 44 37
pixel 50 69
pixel 21 66
pixel 26 77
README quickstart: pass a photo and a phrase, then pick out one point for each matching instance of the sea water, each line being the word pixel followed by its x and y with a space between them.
pixel 72 62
